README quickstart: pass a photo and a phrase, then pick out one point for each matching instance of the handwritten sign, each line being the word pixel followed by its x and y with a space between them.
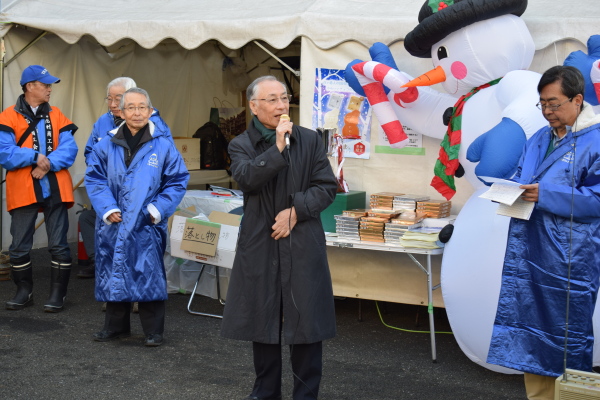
pixel 201 236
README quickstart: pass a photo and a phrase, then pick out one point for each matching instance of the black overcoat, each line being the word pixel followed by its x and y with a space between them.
pixel 287 279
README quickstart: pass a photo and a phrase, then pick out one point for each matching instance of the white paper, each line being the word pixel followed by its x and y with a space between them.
pixel 502 191
pixel 520 209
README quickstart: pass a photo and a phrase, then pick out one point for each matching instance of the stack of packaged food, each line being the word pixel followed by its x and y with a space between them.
pixel 397 227
pixel 372 225
pixel 371 229
pixel 408 202
pixel 383 200
pixel 435 208
pixel 346 225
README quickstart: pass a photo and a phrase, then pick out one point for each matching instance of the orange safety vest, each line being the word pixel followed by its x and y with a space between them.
pixel 21 190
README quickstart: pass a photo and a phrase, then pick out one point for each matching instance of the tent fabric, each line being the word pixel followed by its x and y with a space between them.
pixel 277 22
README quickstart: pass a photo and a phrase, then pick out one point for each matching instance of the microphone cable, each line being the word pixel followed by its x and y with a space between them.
pixel 570 249
pixel 291 173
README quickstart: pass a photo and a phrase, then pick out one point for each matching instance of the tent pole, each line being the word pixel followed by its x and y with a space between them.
pixel 34 41
pixel 297 73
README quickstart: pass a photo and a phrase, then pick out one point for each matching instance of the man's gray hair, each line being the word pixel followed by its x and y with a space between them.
pixel 135 90
pixel 253 87
pixel 123 81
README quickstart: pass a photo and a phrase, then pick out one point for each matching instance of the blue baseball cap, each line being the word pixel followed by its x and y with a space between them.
pixel 37 73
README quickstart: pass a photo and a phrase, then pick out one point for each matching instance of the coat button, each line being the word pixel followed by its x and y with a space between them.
pixel 261 163
pixel 274 262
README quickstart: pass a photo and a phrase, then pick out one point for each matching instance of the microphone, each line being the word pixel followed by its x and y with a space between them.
pixel 286 117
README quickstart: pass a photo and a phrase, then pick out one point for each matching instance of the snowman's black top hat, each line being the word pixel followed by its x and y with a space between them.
pixel 439 18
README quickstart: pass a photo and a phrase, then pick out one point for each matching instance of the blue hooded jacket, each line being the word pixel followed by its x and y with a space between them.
pixel 529 330
pixel 129 254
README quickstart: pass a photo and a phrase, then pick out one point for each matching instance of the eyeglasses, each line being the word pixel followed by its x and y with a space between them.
pixel 273 100
pixel 551 107
pixel 141 109
pixel 111 100
pixel 46 85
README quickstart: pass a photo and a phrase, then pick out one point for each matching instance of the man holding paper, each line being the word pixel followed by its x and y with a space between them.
pixel 552 257
pixel 135 180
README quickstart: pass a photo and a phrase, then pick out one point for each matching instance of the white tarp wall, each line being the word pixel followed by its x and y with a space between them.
pixel 182 84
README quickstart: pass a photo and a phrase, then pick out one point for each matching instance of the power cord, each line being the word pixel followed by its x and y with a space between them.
pixel 401 329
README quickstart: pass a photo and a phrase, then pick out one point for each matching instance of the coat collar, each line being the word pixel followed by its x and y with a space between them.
pixel 586 118
pixel 119 137
pixel 151 128
pixel 256 137
pixel 24 108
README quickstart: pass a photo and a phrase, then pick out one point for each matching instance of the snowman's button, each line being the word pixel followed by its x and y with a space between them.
pixel 447 115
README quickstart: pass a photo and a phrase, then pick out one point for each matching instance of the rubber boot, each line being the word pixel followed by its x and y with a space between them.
pixel 59 279
pixel 23 277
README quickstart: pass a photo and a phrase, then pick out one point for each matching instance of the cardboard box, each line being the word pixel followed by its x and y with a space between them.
pixel 226 246
pixel 343 201
pixel 190 151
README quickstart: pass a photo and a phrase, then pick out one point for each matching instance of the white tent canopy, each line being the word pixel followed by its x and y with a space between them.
pixel 327 23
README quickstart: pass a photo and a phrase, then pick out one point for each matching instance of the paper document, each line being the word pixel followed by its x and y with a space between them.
pixel 502 191
pixel 508 194
pixel 520 209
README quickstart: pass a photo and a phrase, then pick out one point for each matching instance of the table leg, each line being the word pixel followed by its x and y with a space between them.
pixel 430 308
pixel 189 307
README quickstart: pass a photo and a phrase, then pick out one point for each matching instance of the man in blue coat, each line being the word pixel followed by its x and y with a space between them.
pixel 553 258
pixel 101 129
pixel 135 180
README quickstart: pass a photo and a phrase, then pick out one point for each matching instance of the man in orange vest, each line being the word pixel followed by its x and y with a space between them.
pixel 37 148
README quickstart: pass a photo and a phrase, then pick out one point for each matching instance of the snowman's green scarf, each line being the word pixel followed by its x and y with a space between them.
pixel 447 162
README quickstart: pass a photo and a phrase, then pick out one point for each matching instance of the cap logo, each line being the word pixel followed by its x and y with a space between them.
pixel 44 71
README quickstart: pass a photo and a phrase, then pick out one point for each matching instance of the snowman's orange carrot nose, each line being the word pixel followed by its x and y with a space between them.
pixel 432 77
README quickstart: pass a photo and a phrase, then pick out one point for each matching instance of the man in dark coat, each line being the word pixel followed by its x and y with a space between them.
pixel 280 282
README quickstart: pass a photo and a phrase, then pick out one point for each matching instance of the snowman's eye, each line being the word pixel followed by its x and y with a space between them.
pixel 442 53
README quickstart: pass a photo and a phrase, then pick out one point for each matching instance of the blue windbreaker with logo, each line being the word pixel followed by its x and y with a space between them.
pixel 129 254
pixel 529 330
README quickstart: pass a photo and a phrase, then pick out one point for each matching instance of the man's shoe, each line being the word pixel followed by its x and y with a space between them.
pixel 153 340
pixel 88 272
pixel 19 304
pixel 106 336
pixel 260 398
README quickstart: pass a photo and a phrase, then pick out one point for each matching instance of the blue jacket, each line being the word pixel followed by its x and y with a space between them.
pixel 106 123
pixel 529 329
pixel 129 254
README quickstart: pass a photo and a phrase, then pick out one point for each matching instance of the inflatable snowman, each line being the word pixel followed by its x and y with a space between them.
pixel 589 65
pixel 480 50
